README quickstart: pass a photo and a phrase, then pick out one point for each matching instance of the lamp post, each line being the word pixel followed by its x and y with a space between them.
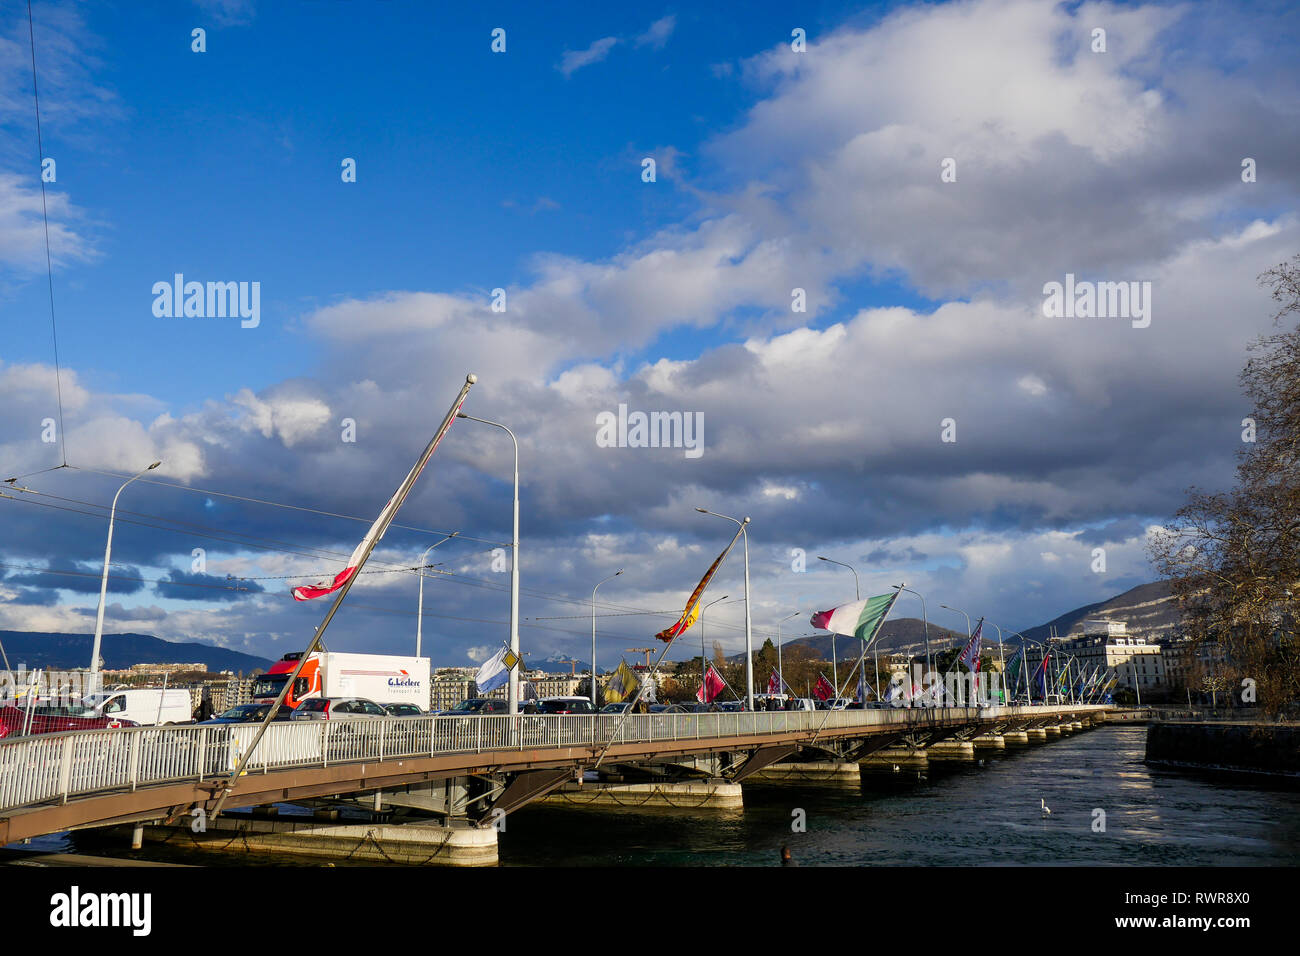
pixel 925 621
pixel 514 567
pixel 1029 692
pixel 857 596
pixel 593 635
pixel 419 617
pixel 780 665
pixel 103 584
pixel 749 634
pixel 963 614
pixel 704 660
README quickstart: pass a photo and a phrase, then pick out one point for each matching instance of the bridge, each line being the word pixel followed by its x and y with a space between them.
pixel 471 768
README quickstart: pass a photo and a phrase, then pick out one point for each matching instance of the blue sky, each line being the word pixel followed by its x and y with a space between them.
pixel 777 170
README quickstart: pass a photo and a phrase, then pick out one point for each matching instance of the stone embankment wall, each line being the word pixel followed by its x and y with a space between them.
pixel 1256 747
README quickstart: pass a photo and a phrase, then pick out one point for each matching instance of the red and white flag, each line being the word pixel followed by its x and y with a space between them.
pixel 774 684
pixel 713 686
pixel 376 532
pixel 824 689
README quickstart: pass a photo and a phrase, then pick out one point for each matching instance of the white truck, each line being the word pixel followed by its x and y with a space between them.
pixel 382 678
pixel 146 706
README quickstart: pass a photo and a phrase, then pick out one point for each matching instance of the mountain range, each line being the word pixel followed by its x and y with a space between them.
pixel 118 651
pixel 1147 609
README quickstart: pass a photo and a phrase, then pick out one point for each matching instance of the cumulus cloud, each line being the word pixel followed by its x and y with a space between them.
pixel 825 426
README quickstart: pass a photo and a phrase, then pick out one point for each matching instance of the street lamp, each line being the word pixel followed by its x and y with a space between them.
pixel 780 666
pixel 1029 692
pixel 593 635
pixel 963 614
pixel 749 635
pixel 857 596
pixel 704 669
pixel 925 620
pixel 103 584
pixel 513 694
pixel 419 617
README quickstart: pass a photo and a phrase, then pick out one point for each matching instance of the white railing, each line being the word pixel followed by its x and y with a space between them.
pixel 54 767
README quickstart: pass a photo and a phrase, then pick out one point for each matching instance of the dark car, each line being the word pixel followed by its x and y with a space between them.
pixel 247 714
pixel 566 705
pixel 478 705
pixel 619 707
pixel 403 710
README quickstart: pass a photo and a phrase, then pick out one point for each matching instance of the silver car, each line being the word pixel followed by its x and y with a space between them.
pixel 325 708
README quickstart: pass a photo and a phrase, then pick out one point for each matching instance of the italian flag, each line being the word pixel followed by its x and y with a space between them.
pixel 862 619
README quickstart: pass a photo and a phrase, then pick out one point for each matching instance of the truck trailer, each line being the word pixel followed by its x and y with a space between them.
pixel 382 678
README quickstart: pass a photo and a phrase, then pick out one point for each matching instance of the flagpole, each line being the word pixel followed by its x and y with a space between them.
pixel 377 532
pixel 655 670
pixel 880 626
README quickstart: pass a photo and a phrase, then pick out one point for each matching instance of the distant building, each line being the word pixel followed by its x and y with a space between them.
pixel 1106 647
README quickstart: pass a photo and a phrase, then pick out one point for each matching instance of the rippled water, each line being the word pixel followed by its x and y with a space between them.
pixel 966 815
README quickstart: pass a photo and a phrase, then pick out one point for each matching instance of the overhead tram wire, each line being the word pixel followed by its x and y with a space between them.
pixel 579 602
pixel 280 504
pixel 296 550
pixel 45 215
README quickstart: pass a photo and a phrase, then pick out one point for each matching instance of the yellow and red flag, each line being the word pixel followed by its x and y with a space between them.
pixel 692 611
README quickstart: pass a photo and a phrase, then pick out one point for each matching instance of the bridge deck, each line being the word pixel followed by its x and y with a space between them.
pixel 88 778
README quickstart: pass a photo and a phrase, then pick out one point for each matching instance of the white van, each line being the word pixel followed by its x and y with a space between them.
pixel 146 706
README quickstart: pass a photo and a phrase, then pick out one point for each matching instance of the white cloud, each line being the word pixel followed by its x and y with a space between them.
pixel 574 60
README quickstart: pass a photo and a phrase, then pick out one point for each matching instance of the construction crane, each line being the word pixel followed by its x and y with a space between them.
pixel 647 651
pixel 573 665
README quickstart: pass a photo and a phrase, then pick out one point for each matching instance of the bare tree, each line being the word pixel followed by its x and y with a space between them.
pixel 1233 558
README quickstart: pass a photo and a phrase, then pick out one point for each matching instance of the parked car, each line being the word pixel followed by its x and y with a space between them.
pixel 247 714
pixel 618 707
pixel 55 720
pixel 477 705
pixel 566 705
pixel 731 706
pixel 404 710
pixel 326 708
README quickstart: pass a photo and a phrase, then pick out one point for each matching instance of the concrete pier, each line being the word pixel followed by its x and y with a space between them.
pixel 826 773
pixel 989 743
pixel 1053 732
pixel 1078 726
pixel 1015 738
pixel 693 795
pixel 895 760
pixel 1037 735
pixel 951 751
pixel 409 844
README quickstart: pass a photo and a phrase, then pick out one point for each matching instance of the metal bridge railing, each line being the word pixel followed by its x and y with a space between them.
pixel 55 767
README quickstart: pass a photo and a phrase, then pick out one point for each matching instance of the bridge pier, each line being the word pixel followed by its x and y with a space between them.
pixel 951 751
pixel 690 795
pixel 989 743
pixel 1052 732
pixel 823 773
pixel 411 844
pixel 1036 735
pixel 1015 738
pixel 895 760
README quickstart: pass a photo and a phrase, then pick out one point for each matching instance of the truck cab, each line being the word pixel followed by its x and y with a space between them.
pixel 267 687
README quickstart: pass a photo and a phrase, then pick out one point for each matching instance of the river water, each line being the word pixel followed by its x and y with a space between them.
pixel 988 815
pixel 967 815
